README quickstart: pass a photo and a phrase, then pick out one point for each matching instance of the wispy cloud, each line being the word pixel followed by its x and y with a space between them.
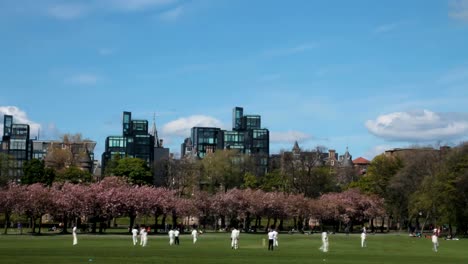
pixel 68 11
pixel 386 27
pixel 290 50
pixel 172 14
pixel 182 126
pixel 458 9
pixel 376 150
pixel 19 117
pixel 289 137
pixel 105 51
pixel 419 126
pixel 83 79
pixel 137 5
pixel 269 77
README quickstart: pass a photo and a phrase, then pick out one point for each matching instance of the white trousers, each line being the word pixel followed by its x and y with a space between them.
pixel 75 239
pixel 194 240
pixel 363 242
pixel 324 246
pixel 171 241
pixel 235 243
pixel 135 240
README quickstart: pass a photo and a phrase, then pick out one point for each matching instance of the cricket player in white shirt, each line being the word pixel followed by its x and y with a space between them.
pixel 75 238
pixel 324 246
pixel 435 240
pixel 135 236
pixel 363 239
pixel 171 234
pixel 235 238
pixel 194 235
pixel 271 238
pixel 176 236
pixel 275 238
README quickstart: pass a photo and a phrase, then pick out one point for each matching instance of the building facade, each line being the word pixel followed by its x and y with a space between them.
pixel 247 136
pixel 81 153
pixel 136 141
pixel 17 145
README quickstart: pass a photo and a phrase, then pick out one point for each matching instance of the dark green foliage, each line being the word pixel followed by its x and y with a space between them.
pixel 136 170
pixel 35 172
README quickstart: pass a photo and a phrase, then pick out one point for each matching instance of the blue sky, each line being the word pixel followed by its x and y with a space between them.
pixel 370 75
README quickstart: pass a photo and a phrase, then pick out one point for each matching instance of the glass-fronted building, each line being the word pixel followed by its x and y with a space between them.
pixel 246 135
pixel 136 141
pixel 16 143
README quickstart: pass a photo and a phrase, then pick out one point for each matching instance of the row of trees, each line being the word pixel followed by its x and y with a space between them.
pixel 422 186
pixel 98 203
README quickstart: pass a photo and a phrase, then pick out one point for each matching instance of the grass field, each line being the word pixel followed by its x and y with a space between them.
pixel 215 248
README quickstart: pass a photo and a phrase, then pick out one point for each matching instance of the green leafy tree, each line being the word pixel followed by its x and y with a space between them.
pixel 74 174
pixel 35 172
pixel 250 181
pixel 274 181
pixel 5 165
pixel 223 169
pixel 135 169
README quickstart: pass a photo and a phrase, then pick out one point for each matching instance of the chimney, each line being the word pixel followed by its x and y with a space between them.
pixel 331 154
pixel 161 143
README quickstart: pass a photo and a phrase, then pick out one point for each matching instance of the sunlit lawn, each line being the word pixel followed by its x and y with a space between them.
pixel 215 248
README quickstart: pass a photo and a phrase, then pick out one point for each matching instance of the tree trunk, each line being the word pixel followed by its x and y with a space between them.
pixel 424 224
pixel 132 221
pixel 156 216
pixel 275 220
pixel 174 219
pixel 33 222
pixel 40 223
pixel 280 226
pixel 7 220
pixel 163 223
pixel 65 224
pixel 268 224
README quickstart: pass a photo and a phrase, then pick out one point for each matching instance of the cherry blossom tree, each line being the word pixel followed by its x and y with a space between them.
pixel 10 198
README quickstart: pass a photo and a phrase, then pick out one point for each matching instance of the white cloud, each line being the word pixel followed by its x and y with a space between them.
pixel 105 51
pixel 386 27
pixel 288 137
pixel 182 126
pixel 417 126
pixel 137 5
pixel 19 117
pixel 291 50
pixel 68 11
pixel 172 14
pixel 376 150
pixel 83 79
pixel 458 10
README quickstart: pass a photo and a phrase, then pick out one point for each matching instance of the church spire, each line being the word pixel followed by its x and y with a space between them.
pixel 154 132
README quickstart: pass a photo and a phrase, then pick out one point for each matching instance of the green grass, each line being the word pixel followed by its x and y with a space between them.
pixel 215 248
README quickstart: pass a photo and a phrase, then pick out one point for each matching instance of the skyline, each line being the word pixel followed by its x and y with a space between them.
pixel 363 75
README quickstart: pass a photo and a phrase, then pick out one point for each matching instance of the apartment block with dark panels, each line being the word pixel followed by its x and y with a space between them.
pixel 246 136
pixel 16 143
pixel 136 141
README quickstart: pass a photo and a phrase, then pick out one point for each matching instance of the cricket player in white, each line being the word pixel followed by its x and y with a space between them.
pixel 235 238
pixel 176 236
pixel 271 239
pixel 135 236
pixel 171 237
pixel 435 240
pixel 275 238
pixel 143 237
pixel 75 238
pixel 324 246
pixel 194 235
pixel 363 239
